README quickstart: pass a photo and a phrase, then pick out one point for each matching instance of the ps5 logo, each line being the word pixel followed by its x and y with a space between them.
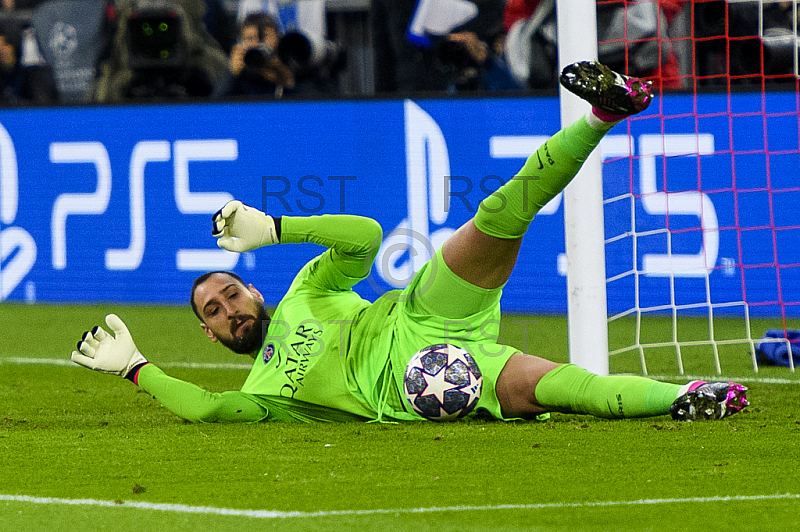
pixel 691 203
pixel 413 241
pixel 417 237
pixel 145 152
pixel 17 247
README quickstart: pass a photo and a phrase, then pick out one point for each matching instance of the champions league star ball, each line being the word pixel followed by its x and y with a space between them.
pixel 443 382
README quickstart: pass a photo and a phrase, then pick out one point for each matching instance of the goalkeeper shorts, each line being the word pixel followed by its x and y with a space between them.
pixel 439 307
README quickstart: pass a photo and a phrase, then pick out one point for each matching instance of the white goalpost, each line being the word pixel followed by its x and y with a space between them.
pixel 583 205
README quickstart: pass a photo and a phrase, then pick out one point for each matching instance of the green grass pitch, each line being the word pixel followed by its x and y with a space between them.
pixel 85 451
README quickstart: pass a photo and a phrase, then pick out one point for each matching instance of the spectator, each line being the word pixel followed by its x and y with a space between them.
pixel 668 75
pixel 20 83
pixel 650 51
pixel 469 58
pixel 744 43
pixel 255 65
pixel 763 41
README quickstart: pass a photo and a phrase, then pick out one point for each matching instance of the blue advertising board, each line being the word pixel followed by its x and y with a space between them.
pixel 113 204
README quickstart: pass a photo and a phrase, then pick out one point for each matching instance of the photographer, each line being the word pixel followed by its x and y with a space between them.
pixel 254 62
pixel 468 58
pixel 470 64
pixel 258 29
pixel 266 62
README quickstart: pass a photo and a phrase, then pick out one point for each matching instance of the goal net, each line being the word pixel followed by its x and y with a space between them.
pixel 702 192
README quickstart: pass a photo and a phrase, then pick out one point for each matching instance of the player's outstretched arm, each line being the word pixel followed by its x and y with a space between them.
pixel 197 405
pixel 117 354
pixel 353 240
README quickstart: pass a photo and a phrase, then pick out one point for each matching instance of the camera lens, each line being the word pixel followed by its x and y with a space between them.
pixel 454 54
pixel 257 57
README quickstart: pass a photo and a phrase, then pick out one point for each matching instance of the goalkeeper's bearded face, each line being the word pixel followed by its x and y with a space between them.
pixel 232 314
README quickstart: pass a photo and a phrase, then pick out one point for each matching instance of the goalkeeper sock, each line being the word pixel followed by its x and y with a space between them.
pixel 511 208
pixel 571 389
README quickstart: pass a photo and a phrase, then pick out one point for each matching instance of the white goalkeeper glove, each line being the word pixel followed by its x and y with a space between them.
pixel 102 352
pixel 238 227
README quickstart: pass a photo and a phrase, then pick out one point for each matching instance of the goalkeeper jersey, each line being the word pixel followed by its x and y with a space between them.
pixel 325 345
pixel 305 351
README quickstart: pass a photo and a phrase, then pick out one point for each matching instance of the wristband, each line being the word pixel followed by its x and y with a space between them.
pixel 133 374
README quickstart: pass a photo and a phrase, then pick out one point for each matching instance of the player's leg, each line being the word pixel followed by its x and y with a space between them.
pixel 484 250
pixel 530 385
pixel 466 274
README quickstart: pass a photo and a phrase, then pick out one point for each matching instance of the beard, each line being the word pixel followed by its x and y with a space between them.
pixel 252 340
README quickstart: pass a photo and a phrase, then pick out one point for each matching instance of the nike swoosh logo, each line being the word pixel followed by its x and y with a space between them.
pixel 541 165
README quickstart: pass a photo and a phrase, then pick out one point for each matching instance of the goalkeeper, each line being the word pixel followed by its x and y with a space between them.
pixel 329 355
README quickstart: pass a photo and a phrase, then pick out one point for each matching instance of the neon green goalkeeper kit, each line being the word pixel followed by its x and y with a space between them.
pixel 329 355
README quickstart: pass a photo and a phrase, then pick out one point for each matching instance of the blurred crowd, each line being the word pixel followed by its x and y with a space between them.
pixel 101 51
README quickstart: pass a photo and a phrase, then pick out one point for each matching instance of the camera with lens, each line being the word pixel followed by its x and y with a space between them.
pixel 258 56
pixel 454 55
pixel 317 61
pixel 457 64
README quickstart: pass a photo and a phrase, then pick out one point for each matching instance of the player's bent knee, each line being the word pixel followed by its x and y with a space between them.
pixel 516 385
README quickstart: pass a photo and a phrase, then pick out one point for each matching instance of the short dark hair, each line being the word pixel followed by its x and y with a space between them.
pixel 262 22
pixel 203 278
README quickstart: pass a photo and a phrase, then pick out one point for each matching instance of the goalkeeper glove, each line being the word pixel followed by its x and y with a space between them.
pixel 238 227
pixel 102 352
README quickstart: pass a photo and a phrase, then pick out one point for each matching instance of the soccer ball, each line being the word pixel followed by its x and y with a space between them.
pixel 443 382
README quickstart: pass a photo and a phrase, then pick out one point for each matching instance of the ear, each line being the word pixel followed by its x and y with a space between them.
pixel 209 333
pixel 256 294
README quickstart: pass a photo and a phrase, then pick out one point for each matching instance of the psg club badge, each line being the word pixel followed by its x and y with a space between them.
pixel 269 350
